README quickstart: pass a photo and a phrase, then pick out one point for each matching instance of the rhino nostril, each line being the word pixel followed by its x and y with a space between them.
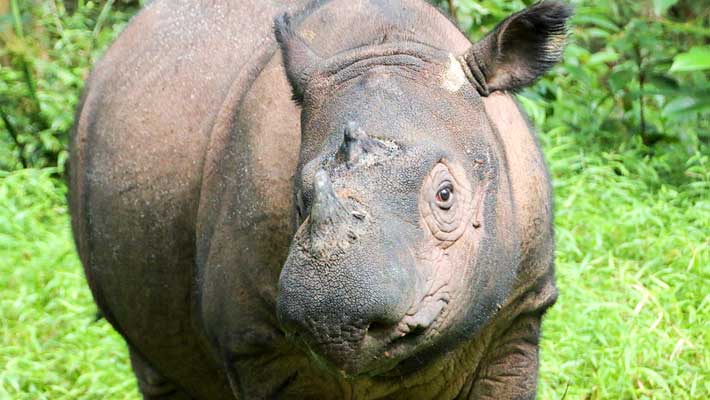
pixel 417 330
pixel 377 327
pixel 382 329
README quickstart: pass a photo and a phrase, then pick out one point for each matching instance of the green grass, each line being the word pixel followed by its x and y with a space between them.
pixel 633 268
pixel 50 345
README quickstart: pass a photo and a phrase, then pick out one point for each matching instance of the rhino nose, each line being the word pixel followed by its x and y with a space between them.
pixel 340 323
pixel 337 335
pixel 319 323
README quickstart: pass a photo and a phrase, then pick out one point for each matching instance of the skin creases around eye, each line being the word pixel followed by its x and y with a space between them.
pixel 447 219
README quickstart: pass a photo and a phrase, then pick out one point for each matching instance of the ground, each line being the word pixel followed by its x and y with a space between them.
pixel 633 263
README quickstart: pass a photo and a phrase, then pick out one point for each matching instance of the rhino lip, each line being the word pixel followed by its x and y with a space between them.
pixel 401 343
pixel 384 349
pixel 424 314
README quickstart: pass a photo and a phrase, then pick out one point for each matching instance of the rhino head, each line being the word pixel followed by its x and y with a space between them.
pixel 405 243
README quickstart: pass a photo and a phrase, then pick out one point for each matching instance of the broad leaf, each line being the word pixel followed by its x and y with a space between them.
pixel 620 78
pixel 683 106
pixel 697 59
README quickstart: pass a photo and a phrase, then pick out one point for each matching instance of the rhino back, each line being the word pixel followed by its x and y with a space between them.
pixel 137 157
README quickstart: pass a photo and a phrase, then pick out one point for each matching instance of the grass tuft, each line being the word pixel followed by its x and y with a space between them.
pixel 633 263
pixel 50 346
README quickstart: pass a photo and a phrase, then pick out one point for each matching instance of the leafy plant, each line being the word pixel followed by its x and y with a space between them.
pixel 45 55
pixel 632 68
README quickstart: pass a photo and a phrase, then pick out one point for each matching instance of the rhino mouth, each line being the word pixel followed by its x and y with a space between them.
pixel 380 349
pixel 417 330
pixel 418 319
pixel 414 332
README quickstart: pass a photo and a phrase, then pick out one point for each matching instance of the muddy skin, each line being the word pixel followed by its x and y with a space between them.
pixel 318 199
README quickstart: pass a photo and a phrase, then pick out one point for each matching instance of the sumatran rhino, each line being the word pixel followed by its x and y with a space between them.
pixel 343 203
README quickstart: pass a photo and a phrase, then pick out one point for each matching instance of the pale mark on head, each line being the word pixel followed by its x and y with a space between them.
pixel 453 77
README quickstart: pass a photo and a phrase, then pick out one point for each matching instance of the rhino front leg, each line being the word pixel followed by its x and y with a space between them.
pixel 152 384
pixel 509 369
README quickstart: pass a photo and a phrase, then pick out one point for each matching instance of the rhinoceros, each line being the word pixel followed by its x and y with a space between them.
pixel 318 199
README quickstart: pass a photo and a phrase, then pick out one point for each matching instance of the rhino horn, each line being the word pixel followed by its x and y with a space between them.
pixel 356 145
pixel 300 62
pixel 327 211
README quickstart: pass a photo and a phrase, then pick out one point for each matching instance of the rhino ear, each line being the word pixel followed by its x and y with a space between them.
pixel 520 49
pixel 300 62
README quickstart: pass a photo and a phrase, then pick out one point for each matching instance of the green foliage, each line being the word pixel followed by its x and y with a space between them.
pixel 51 347
pixel 632 68
pixel 45 55
pixel 633 262
pixel 697 59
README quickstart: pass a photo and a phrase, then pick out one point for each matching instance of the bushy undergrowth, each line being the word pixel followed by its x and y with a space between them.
pixel 624 123
pixel 45 55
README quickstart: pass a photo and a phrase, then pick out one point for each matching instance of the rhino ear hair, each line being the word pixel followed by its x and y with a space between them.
pixel 300 62
pixel 520 49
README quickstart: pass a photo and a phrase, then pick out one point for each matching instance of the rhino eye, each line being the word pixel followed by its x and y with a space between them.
pixel 445 202
pixel 445 196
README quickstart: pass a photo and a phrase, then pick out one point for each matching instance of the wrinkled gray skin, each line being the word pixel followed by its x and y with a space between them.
pixel 388 234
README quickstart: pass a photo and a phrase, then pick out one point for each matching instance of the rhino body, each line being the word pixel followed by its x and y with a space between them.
pixel 246 245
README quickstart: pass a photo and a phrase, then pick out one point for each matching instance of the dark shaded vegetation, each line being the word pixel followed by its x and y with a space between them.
pixel 46 51
pixel 634 71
